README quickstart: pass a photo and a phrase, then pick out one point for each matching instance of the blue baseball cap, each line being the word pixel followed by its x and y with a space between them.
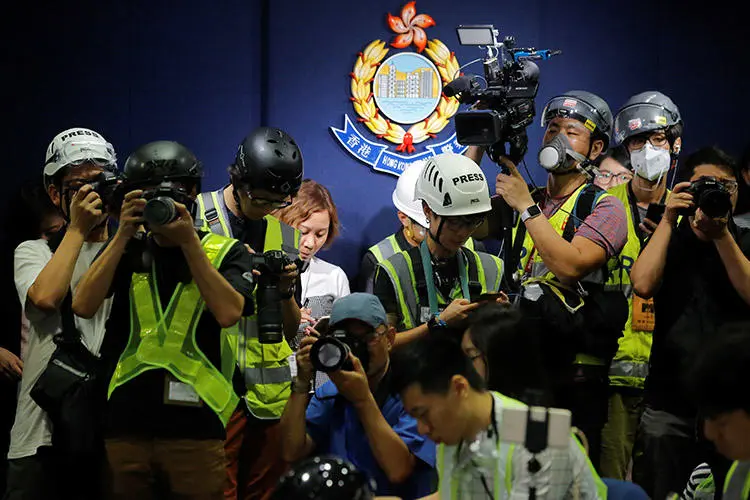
pixel 364 307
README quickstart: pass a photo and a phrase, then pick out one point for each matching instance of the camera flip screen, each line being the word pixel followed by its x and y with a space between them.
pixel 476 35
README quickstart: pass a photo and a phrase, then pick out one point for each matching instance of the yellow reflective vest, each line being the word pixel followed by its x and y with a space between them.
pixel 265 367
pixel 389 246
pixel 737 483
pixel 166 338
pixel 630 365
pixel 532 268
pixel 483 269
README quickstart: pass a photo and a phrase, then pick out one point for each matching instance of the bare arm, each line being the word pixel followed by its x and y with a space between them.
pixel 295 442
pixel 736 264
pixel 224 302
pixel 475 153
pixel 291 317
pixel 568 261
pixel 407 336
pixel 389 449
pixel 94 286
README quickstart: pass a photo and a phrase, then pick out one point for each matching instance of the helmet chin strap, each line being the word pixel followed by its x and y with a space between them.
pixel 436 237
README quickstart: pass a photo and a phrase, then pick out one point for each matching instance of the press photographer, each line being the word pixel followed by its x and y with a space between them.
pixel 172 387
pixel 265 175
pixel 697 271
pixel 354 415
pixel 56 447
pixel 565 245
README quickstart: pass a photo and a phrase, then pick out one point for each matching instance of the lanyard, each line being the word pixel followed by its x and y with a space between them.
pixel 463 276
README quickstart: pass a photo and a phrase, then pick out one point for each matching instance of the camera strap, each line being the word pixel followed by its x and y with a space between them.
pixel 637 215
pixel 463 276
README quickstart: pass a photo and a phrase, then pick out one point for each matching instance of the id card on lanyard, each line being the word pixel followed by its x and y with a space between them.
pixel 463 276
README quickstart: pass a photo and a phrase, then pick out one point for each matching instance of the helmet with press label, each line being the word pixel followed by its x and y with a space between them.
pixel 76 146
pixel 453 185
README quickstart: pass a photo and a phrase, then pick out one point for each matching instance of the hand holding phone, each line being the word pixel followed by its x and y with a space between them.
pixel 655 212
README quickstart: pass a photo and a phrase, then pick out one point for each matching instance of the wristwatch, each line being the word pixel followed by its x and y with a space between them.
pixel 531 212
pixel 436 324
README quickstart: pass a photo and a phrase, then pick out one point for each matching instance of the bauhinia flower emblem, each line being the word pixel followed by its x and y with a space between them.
pixel 410 27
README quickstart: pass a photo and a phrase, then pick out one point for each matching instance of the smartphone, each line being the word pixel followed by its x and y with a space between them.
pixel 536 428
pixel 488 297
pixel 321 326
pixel 655 212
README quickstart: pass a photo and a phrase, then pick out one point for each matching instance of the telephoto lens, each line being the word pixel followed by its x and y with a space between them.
pixel 159 211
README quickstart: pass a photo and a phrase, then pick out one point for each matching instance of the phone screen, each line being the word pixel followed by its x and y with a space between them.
pixel 488 297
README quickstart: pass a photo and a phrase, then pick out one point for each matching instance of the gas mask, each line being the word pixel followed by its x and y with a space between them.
pixel 650 162
pixel 558 156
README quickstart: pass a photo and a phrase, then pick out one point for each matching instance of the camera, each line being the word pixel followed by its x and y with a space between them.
pixel 160 206
pixel 267 296
pixel 711 196
pixel 106 185
pixel 331 351
pixel 512 82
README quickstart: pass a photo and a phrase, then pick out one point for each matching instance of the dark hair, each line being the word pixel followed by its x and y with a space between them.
pixel 30 206
pixel 432 362
pixel 720 372
pixel 618 153
pixel 708 156
pixel 511 348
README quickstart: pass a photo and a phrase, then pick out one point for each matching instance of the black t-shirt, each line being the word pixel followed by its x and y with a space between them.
pixel 137 407
pixel 695 299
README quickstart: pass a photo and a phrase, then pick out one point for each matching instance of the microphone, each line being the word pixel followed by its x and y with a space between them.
pixel 459 85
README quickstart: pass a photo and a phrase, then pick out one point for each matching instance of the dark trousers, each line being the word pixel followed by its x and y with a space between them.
pixel 586 395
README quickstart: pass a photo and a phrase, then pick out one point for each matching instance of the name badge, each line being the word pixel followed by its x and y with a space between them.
pixel 643 314
pixel 424 313
pixel 179 393
pixel 293 364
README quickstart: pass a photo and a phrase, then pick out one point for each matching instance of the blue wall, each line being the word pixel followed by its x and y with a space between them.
pixel 191 71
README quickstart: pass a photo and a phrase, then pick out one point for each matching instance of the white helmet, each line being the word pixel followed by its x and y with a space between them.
pixel 76 146
pixel 453 185
pixel 403 195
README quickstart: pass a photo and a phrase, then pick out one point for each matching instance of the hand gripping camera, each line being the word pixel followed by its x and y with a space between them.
pixel 512 82
pixel 106 186
pixel 711 196
pixel 271 265
pixel 160 206
pixel 331 351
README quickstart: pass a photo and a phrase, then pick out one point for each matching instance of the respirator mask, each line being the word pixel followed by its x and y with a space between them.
pixel 558 156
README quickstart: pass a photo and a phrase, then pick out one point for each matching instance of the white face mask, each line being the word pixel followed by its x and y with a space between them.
pixel 650 162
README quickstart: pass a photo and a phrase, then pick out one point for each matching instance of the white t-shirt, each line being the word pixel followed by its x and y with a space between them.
pixel 565 474
pixel 322 283
pixel 31 428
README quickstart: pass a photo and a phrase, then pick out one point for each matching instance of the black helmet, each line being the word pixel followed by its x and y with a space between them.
pixel 162 161
pixel 588 108
pixel 268 159
pixel 324 477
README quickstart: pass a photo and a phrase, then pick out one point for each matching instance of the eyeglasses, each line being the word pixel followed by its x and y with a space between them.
pixel 459 222
pixel 730 184
pixel 657 140
pixel 611 176
pixel 266 202
pixel 372 336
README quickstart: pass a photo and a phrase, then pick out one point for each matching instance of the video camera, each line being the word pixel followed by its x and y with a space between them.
pixel 711 196
pixel 271 264
pixel 331 351
pixel 512 82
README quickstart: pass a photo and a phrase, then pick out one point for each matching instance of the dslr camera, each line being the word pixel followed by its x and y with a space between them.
pixel 106 185
pixel 271 264
pixel 160 206
pixel 711 196
pixel 331 351
pixel 512 82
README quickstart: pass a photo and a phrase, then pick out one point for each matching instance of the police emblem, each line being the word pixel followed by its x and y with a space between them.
pixel 400 99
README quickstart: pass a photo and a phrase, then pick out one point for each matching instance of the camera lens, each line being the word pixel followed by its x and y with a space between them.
pixel 329 354
pixel 715 202
pixel 159 211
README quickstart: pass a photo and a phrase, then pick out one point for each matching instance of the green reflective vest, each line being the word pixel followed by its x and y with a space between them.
pixel 450 478
pixel 737 483
pixel 630 365
pixel 389 246
pixel 166 338
pixel 265 367
pixel 484 269
pixel 532 267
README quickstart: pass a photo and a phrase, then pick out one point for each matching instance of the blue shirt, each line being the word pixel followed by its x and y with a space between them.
pixel 334 426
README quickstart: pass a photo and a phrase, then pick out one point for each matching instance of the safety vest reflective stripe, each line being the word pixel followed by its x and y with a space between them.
pixel 265 367
pixel 385 248
pixel 630 365
pixel 166 338
pixel 538 270
pixel 737 484
pixel 400 270
pixel 211 213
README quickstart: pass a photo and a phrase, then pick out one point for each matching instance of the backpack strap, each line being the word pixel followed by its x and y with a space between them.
pixel 585 203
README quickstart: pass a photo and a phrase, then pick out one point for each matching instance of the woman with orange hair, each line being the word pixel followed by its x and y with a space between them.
pixel 314 214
